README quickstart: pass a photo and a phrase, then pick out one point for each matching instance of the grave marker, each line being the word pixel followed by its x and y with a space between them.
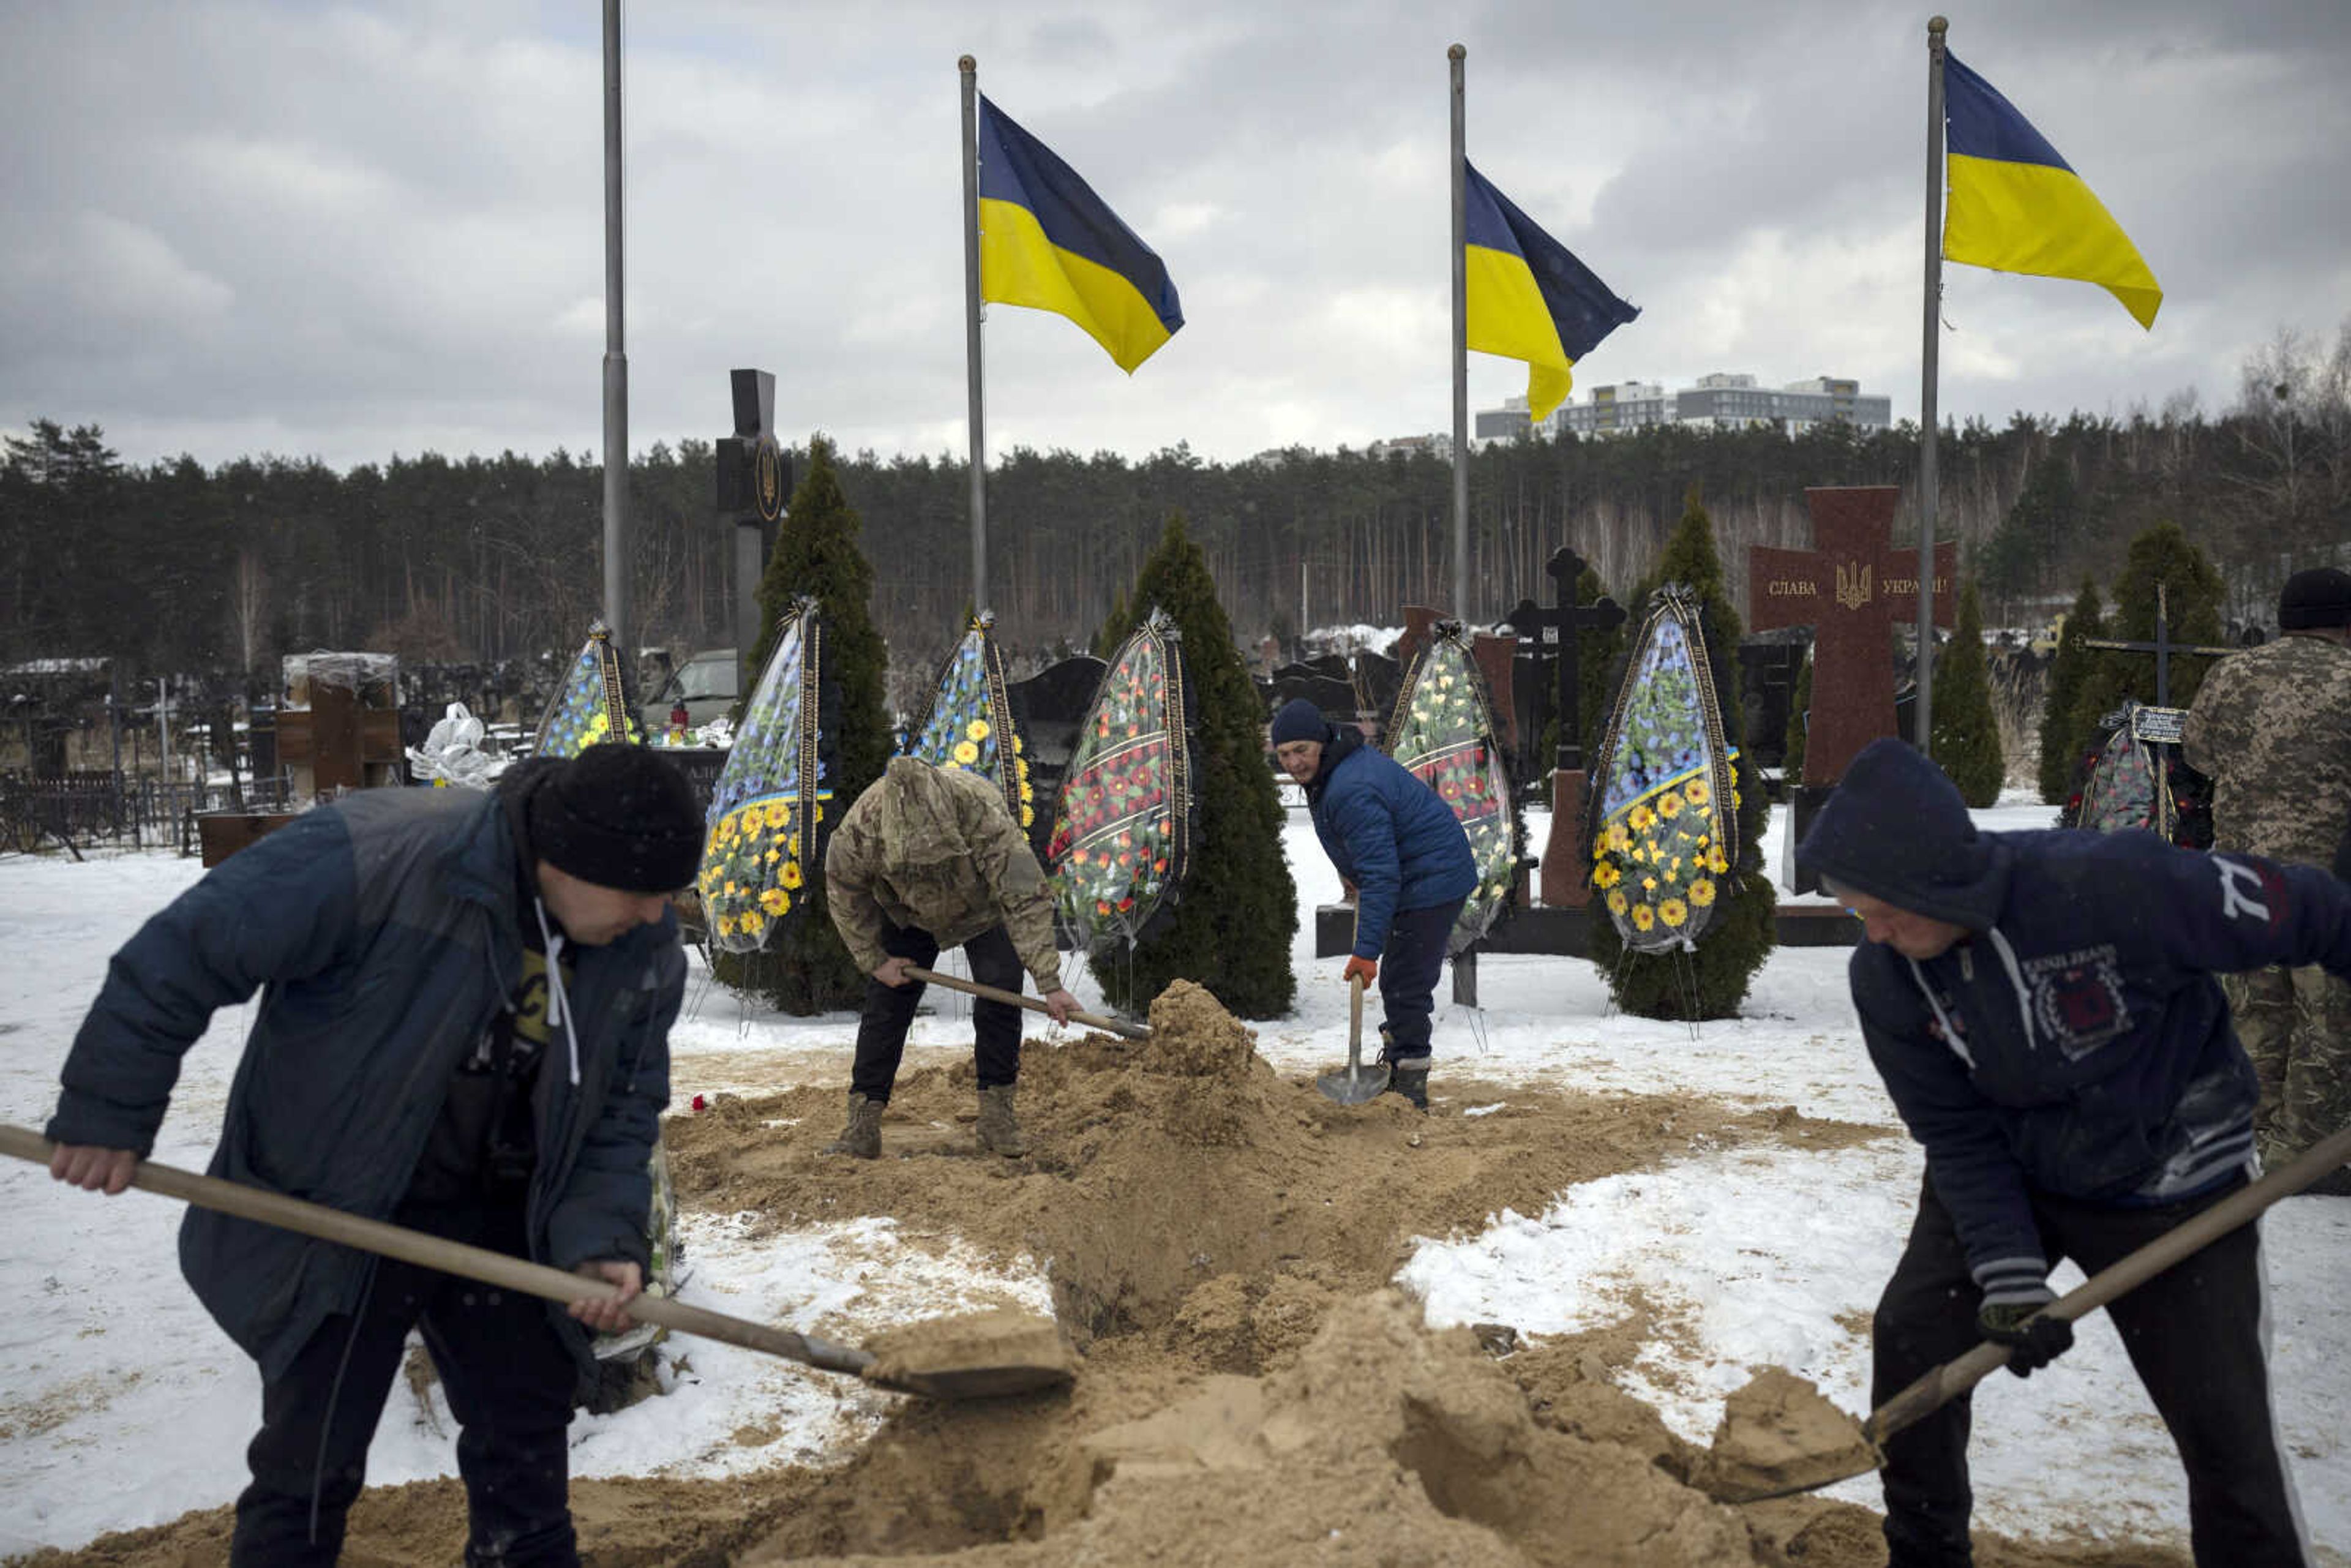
pixel 1564 854
pixel 755 479
pixel 1853 587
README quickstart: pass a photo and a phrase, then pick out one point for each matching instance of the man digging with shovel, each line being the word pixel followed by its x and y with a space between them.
pixel 2042 1008
pixel 464 1026
pixel 1404 852
pixel 929 858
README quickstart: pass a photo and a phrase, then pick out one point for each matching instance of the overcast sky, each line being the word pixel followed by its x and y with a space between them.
pixel 348 231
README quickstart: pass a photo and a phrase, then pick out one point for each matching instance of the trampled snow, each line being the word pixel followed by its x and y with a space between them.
pixel 1744 1256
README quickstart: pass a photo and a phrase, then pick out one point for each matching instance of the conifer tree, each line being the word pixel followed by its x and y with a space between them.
pixel 2068 668
pixel 807 969
pixel 1230 929
pixel 1966 732
pixel 1741 939
pixel 1799 703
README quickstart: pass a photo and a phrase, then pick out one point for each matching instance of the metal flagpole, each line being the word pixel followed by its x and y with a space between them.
pixel 1456 55
pixel 970 69
pixel 616 359
pixel 1929 415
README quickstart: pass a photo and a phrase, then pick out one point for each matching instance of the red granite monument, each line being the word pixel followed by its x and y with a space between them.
pixel 1853 588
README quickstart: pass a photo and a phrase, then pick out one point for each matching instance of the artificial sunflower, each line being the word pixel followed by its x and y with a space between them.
pixel 1606 875
pixel 1669 805
pixel 1616 901
pixel 774 901
pixel 792 877
pixel 976 729
pixel 1642 818
pixel 1696 793
pixel 1701 893
pixel 1644 917
pixel 966 754
pixel 1673 912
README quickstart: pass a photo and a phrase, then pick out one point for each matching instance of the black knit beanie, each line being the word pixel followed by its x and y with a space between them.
pixel 2316 599
pixel 618 816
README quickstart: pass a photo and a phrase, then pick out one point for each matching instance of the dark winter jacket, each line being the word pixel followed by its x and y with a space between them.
pixel 2076 1042
pixel 1388 833
pixel 384 936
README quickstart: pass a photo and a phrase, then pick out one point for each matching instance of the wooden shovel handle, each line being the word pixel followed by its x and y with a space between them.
pixel 1955 1377
pixel 1354 1019
pixel 452 1257
pixel 997 994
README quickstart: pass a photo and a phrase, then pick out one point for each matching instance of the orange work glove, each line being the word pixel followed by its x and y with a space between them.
pixel 1365 969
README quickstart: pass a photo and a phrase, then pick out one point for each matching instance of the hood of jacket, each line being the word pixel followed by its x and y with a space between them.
pixel 1897 830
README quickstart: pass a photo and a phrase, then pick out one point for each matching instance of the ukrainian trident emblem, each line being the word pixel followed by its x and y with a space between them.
pixel 1853 586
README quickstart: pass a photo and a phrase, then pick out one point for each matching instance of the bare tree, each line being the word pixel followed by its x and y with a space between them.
pixel 248 606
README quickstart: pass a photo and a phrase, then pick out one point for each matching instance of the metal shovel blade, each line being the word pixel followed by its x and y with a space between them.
pixel 1357 1084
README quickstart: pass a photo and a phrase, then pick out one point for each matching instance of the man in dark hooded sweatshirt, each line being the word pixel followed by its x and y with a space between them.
pixel 1404 849
pixel 464 1028
pixel 2041 1008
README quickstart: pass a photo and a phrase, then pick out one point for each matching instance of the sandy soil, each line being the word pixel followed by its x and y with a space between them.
pixel 1250 1392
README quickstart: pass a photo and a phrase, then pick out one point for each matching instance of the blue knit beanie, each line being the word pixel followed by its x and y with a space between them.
pixel 1300 719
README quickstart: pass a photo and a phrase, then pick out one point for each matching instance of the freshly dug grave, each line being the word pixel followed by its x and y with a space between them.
pixel 1218 1239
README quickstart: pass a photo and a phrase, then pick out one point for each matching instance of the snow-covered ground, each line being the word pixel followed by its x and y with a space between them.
pixel 1744 1256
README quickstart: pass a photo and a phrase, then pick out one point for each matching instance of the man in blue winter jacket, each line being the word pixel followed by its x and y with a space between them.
pixel 464 1028
pixel 1404 849
pixel 2041 1008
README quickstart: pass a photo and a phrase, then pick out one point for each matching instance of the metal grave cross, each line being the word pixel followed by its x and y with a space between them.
pixel 1562 620
pixel 2162 647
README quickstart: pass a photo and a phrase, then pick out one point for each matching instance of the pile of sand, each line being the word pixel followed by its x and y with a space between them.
pixel 1219 1240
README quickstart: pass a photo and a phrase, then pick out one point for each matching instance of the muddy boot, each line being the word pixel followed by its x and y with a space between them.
pixel 998 1131
pixel 1407 1076
pixel 862 1139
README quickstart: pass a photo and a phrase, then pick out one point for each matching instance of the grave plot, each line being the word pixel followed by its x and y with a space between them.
pixel 1218 1240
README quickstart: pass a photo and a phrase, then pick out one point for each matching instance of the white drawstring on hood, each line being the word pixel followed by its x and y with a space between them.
pixel 558 1007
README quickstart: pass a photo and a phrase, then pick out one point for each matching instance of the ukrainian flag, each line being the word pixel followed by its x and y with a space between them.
pixel 1529 299
pixel 2016 206
pixel 1047 242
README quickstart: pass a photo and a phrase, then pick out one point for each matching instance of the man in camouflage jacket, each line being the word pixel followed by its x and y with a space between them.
pixel 929 858
pixel 2271 727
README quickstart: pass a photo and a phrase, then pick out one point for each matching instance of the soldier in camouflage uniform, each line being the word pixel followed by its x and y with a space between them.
pixel 2271 727
pixel 929 858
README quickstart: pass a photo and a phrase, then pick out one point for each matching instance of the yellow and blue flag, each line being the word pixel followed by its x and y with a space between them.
pixel 1529 299
pixel 2016 206
pixel 1047 242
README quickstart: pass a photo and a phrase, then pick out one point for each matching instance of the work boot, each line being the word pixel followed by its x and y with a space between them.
pixel 862 1139
pixel 1000 1133
pixel 1407 1076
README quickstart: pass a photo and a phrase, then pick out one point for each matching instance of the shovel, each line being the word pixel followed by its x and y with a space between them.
pixel 1358 1082
pixel 1025 1372
pixel 1862 1449
pixel 1119 1026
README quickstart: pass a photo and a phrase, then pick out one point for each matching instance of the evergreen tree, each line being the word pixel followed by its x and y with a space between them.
pixel 1967 733
pixel 1231 928
pixel 807 969
pixel 2162 555
pixel 1653 985
pixel 2069 667
pixel 1799 703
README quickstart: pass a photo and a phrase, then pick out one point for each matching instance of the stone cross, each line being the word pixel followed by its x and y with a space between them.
pixel 755 479
pixel 1853 589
